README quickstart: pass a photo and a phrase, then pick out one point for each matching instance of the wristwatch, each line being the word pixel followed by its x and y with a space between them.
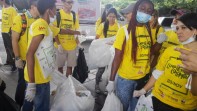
pixel 17 58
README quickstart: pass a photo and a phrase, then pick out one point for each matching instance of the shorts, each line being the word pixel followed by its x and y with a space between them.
pixel 67 56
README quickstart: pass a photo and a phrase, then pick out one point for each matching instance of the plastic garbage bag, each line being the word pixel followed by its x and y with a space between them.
pixel 72 96
pixel 100 53
pixel 112 103
pixel 144 103
pixel 7 103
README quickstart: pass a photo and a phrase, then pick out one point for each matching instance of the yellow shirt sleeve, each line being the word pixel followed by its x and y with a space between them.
pixel 98 22
pixel 17 24
pixel 55 30
pixel 14 13
pixel 120 37
pixel 163 59
pixel 99 31
pixel 39 29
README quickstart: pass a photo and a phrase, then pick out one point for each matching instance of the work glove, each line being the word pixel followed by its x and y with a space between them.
pixel 110 86
pixel 30 92
pixel 19 63
pixel 60 49
pixel 161 38
pixel 2 85
pixel 138 93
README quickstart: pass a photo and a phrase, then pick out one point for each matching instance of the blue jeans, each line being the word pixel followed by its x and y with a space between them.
pixel 42 99
pixel 124 91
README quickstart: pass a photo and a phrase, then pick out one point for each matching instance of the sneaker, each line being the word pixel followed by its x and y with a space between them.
pixel 97 88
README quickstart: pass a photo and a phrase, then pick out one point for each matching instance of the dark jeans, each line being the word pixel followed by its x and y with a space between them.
pixel 99 74
pixel 41 100
pixel 8 47
pixel 160 106
pixel 20 89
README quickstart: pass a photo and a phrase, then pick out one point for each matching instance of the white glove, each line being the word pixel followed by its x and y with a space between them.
pixel 19 63
pixel 110 86
pixel 60 49
pixel 138 93
pixel 161 38
pixel 30 92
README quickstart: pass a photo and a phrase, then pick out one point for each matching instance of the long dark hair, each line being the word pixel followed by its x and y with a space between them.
pixel 132 29
pixel 104 15
pixel 155 21
pixel 106 23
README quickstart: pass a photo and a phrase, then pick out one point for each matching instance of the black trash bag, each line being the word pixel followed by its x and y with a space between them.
pixel 81 70
pixel 7 103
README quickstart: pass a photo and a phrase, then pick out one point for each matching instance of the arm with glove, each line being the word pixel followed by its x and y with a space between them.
pixel 115 65
pixel 155 75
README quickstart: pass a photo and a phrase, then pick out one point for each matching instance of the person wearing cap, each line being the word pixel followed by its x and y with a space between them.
pixel 103 17
pixel 127 12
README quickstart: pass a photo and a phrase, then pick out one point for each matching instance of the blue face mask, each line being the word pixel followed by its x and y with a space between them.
pixel 142 17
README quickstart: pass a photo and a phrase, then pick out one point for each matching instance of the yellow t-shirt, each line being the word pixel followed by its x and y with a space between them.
pixel 39 27
pixel 98 22
pixel 112 30
pixel 17 27
pixel 68 42
pixel 172 40
pixel 128 69
pixel 170 86
pixel 8 15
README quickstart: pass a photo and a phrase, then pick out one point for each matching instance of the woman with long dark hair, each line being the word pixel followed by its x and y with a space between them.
pixel 131 63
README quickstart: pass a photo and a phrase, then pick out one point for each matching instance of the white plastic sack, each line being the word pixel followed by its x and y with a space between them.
pixel 144 103
pixel 57 78
pixel 100 53
pixel 112 103
pixel 72 96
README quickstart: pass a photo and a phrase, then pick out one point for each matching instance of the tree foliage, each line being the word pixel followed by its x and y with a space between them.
pixel 164 6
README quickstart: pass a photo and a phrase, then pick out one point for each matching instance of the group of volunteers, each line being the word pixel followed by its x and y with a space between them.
pixel 147 57
pixel 33 39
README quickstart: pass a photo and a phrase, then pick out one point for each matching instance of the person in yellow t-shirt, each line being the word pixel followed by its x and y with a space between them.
pixel 109 28
pixel 171 84
pixel 40 62
pixel 103 17
pixel 68 43
pixel 131 62
pixel 19 43
pixel 8 14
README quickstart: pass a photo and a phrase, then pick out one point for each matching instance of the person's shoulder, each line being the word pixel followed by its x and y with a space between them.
pixel 42 24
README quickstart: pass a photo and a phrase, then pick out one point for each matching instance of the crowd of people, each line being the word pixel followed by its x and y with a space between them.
pixel 147 57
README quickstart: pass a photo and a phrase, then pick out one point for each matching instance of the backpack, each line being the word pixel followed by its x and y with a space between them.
pixel 81 70
pixel 58 17
pixel 24 24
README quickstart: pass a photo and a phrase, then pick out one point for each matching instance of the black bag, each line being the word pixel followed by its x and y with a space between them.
pixel 7 103
pixel 81 70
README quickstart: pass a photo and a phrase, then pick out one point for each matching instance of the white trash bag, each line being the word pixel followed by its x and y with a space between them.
pixel 144 103
pixel 112 103
pixel 72 96
pixel 100 53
